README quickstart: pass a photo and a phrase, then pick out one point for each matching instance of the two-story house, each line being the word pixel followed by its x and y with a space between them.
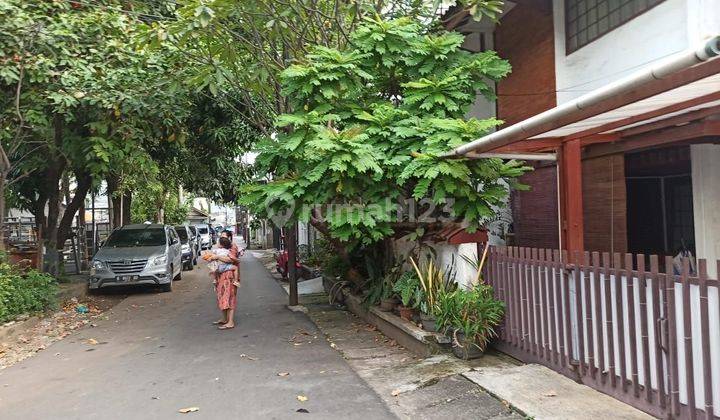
pixel 616 104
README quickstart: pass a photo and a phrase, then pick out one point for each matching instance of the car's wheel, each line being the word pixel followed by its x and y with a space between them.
pixel 166 287
pixel 187 266
pixel 194 261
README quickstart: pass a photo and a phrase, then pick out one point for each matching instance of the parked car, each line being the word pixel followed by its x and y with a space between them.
pixel 206 236
pixel 138 254
pixel 196 235
pixel 187 245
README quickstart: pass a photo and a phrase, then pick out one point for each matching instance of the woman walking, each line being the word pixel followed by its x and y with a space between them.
pixel 225 289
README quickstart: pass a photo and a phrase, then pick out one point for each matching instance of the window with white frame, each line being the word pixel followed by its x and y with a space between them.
pixel 588 20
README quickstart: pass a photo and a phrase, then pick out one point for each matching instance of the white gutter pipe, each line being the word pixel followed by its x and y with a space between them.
pixel 552 157
pixel 708 50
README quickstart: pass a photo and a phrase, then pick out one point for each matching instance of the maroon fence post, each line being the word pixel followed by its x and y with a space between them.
pixel 524 301
pixel 580 321
pixel 533 286
pixel 619 319
pixel 705 334
pixel 588 315
pixel 565 282
pixel 609 319
pixel 517 314
pixel 557 277
pixel 687 332
pixel 671 313
pixel 542 290
pixel 633 369
pixel 659 330
pixel 644 332
pixel 598 318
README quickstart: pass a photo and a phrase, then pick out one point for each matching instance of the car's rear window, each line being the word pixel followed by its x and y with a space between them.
pixel 182 233
pixel 203 231
pixel 136 237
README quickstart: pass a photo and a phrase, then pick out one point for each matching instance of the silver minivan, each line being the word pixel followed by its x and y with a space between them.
pixel 138 254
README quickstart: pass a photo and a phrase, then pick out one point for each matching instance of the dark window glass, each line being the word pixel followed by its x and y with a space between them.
pixel 182 233
pixel 588 20
pixel 136 237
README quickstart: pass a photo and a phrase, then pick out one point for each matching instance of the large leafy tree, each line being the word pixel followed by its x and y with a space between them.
pixel 85 102
pixel 371 121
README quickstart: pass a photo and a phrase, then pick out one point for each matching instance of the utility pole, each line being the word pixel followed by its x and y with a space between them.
pixel 291 243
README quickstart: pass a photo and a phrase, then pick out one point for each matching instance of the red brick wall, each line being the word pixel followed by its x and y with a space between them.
pixel 525 38
pixel 604 205
pixel 535 216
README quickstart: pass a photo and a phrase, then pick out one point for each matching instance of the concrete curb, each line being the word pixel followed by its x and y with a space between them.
pixel 405 333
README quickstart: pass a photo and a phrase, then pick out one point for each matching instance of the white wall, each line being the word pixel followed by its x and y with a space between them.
pixel 706 202
pixel 654 35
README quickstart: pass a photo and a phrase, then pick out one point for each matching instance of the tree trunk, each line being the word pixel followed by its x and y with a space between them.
pixel 84 182
pixel 3 181
pixel 127 208
pixel 113 201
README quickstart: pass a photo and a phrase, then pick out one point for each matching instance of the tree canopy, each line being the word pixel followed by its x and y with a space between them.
pixel 368 125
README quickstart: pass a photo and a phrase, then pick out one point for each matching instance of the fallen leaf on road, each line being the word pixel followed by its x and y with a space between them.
pixel 550 394
pixel 155 398
pixel 301 410
pixel 283 373
pixel 188 410
pixel 92 341
pixel 395 392
pixel 333 345
pixel 247 357
pixel 302 398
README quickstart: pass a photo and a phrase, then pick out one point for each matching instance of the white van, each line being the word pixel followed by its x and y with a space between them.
pixel 205 236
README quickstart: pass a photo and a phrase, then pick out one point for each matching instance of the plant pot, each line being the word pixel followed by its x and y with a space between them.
pixel 428 322
pixel 464 349
pixel 406 313
pixel 387 305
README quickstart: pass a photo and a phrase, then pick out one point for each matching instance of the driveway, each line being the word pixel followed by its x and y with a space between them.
pixel 158 353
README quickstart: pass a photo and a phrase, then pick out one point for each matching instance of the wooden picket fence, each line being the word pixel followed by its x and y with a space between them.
pixel 624 325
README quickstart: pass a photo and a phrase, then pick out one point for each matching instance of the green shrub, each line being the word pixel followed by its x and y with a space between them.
pixel 475 313
pixel 408 288
pixel 24 293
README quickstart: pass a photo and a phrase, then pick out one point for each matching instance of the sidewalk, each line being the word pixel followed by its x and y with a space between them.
pixel 444 386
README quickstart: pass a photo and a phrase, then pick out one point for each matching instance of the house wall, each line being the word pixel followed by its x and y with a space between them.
pixel 535 212
pixel 525 38
pixel 706 202
pixel 660 32
pixel 604 204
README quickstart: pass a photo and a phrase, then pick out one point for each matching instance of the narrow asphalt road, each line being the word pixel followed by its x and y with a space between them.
pixel 158 352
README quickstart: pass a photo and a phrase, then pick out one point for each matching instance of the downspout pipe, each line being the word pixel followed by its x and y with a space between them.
pixel 707 50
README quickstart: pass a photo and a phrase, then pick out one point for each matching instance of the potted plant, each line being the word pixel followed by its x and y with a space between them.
pixel 408 288
pixel 433 282
pixel 470 316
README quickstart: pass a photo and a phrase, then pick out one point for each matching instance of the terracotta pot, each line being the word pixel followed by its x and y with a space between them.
pixel 428 322
pixel 464 349
pixel 387 305
pixel 406 313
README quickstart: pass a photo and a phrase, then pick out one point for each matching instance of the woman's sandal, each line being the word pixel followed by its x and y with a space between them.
pixel 225 327
pixel 219 322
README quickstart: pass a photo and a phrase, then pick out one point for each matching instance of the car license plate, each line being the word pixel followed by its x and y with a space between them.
pixel 125 279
